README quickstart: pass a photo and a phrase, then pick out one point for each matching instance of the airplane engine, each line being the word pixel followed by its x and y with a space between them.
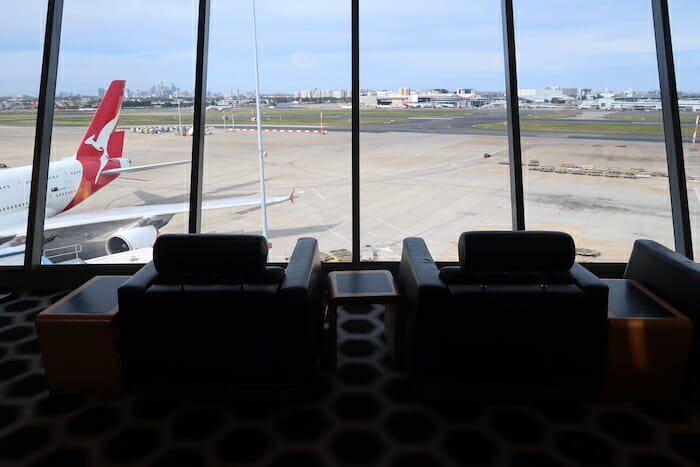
pixel 131 239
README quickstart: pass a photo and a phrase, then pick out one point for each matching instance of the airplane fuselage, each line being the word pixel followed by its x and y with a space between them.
pixel 63 185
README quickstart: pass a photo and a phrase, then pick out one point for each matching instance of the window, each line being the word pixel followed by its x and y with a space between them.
pixel 21 41
pixel 684 18
pixel 304 76
pixel 431 76
pixel 594 161
pixel 150 45
pixel 432 152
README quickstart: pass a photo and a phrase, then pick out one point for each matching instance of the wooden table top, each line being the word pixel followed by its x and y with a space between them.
pixel 629 299
pixel 376 286
pixel 94 300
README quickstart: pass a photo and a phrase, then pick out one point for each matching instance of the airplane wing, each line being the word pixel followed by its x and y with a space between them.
pixel 135 212
pixel 143 167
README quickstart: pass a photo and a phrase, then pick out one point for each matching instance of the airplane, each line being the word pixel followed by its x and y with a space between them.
pixel 421 105
pixel 221 106
pixel 97 162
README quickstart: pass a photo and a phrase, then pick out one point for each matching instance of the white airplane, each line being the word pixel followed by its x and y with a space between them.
pixel 221 106
pixel 97 162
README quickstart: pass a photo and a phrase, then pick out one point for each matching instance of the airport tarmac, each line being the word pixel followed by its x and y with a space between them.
pixel 432 185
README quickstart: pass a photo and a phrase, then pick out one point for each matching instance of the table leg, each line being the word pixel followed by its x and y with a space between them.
pixel 333 336
pixel 393 327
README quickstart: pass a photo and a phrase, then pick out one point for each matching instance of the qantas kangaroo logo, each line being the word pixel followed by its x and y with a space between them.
pixel 103 162
pixel 101 143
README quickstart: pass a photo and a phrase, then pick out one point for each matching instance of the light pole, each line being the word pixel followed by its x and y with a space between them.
pixel 263 204
pixel 179 118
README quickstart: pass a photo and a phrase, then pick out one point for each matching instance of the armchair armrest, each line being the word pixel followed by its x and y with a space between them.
pixel 423 296
pixel 304 268
pixel 301 287
pixel 595 289
pixel 301 290
pixel 588 281
pixel 139 282
pixel 668 274
pixel 418 269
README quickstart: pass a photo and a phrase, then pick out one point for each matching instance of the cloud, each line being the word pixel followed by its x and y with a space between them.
pixel 306 43
pixel 303 60
pixel 21 73
pixel 86 71
pixel 423 69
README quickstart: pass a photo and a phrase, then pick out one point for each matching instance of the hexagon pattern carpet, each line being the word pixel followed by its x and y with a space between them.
pixel 363 414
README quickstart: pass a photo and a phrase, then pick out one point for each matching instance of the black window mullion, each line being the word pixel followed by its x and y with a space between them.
pixel 517 201
pixel 682 231
pixel 199 118
pixel 355 131
pixel 42 139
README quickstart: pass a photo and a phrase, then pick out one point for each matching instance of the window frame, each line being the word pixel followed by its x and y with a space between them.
pixel 37 204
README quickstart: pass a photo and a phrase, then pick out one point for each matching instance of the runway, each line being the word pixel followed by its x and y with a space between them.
pixel 465 123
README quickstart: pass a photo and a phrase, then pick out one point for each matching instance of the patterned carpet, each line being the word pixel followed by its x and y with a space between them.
pixel 363 415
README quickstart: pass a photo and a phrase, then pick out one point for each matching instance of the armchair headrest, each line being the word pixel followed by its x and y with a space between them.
pixel 498 251
pixel 242 256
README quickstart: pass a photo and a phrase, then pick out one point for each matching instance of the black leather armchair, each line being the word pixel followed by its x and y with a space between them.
pixel 516 309
pixel 208 309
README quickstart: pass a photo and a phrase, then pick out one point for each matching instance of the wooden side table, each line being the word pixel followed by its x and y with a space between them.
pixel 648 344
pixel 78 336
pixel 360 287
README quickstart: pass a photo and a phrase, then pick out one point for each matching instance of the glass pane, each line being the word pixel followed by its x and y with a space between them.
pixel 21 43
pixel 685 16
pixel 592 134
pixel 304 64
pixel 432 84
pixel 138 57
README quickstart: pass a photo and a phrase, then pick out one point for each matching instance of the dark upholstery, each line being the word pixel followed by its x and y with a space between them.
pixel 238 322
pixel 530 315
pixel 526 251
pixel 675 279
pixel 209 254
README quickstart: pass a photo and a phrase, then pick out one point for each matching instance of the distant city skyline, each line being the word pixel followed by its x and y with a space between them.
pixel 306 44
pixel 159 90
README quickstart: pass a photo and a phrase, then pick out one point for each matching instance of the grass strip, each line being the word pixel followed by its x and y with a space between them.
pixel 585 127
pixel 650 118
pixel 547 116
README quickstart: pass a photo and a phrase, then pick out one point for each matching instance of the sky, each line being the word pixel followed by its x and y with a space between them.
pixel 305 44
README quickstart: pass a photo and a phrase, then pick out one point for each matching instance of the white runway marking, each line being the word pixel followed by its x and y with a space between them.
pixel 319 222
pixel 369 213
pixel 430 118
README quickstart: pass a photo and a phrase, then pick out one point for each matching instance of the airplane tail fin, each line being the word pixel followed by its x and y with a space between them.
pixel 115 145
pixel 100 136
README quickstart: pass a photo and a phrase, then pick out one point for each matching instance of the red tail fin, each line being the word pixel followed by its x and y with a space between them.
pixel 115 146
pixel 97 137
pixel 101 147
